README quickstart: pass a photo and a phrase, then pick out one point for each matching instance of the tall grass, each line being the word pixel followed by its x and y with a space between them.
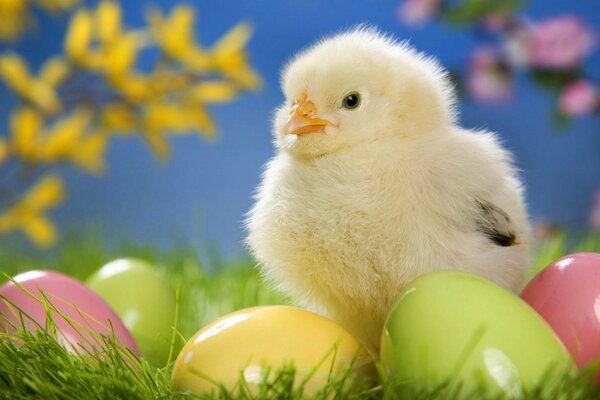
pixel 34 366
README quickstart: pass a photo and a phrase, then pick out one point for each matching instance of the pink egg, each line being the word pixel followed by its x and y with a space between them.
pixel 567 295
pixel 86 311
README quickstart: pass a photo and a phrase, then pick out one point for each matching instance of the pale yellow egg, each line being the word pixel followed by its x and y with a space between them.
pixel 249 342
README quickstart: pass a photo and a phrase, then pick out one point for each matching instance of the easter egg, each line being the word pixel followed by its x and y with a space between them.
pixel 143 300
pixel 79 314
pixel 249 342
pixel 567 295
pixel 457 328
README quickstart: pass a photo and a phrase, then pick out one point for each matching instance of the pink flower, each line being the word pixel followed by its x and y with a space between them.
pixel 579 98
pixel 560 43
pixel 487 80
pixel 595 215
pixel 417 12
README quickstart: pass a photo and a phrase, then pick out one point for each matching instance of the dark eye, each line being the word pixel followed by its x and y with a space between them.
pixel 351 101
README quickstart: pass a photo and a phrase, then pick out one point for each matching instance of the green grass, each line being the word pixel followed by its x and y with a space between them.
pixel 38 368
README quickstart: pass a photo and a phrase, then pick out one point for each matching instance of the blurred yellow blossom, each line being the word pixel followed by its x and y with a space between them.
pixel 229 57
pixel 15 72
pixel 25 125
pixel 79 38
pixel 121 55
pixel 28 214
pixel 175 36
pixel 66 140
pixel 133 87
pixel 63 137
pixel 54 71
pixel 94 91
pixel 89 154
pixel 118 117
pixel 39 91
pixel 3 151
pixel 162 118
pixel 97 40
pixel 213 92
pixel 15 15
pixel 108 21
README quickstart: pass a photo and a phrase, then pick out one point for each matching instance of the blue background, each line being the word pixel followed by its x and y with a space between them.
pixel 204 191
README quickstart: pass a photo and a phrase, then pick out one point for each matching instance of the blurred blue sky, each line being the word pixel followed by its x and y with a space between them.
pixel 203 193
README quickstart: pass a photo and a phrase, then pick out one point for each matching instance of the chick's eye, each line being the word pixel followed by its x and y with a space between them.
pixel 351 101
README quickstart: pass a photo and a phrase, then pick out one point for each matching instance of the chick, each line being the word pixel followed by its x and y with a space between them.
pixel 374 183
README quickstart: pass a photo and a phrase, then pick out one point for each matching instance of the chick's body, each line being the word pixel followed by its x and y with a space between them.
pixel 389 190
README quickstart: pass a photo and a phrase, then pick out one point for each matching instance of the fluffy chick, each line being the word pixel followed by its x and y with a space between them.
pixel 374 183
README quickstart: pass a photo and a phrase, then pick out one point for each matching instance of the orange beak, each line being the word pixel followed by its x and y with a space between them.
pixel 301 121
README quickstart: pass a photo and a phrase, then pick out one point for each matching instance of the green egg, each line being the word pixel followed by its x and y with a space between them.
pixel 450 327
pixel 143 300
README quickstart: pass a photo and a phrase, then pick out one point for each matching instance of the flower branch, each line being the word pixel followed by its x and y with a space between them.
pixel 97 90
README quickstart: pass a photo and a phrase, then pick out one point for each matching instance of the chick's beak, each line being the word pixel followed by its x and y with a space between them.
pixel 301 121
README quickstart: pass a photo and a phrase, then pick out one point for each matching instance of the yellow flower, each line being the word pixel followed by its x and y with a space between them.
pixel 54 71
pixel 158 144
pixel 108 21
pixel 201 120
pixel 13 14
pixel 138 88
pixel 63 137
pixel 79 35
pixel 175 35
pixel 118 117
pixel 213 92
pixel 162 118
pixel 134 87
pixel 120 56
pixel 13 6
pixel 4 152
pixel 78 40
pixel 25 126
pixel 15 72
pixel 229 57
pixel 178 118
pixel 66 140
pixel 28 214
pixel 89 153
pixel 39 91
pixel 97 41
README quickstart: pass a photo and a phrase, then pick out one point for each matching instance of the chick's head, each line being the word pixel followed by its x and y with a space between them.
pixel 357 87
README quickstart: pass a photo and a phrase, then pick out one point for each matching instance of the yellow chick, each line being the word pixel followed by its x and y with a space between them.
pixel 374 183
